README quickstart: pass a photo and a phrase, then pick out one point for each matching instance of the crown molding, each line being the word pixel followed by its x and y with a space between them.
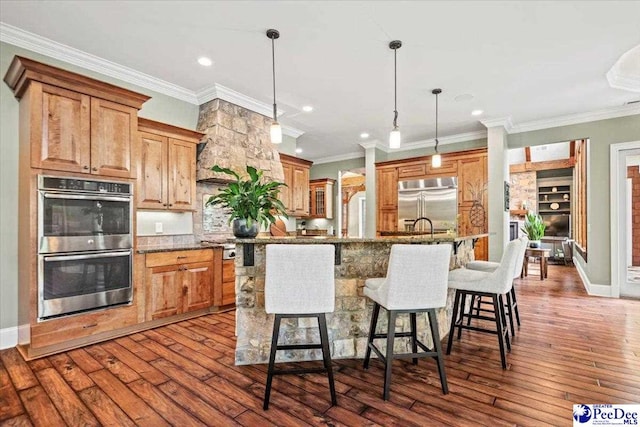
pixel 375 143
pixel 505 122
pixel 235 97
pixel 338 158
pixel 291 131
pixel 452 139
pixel 44 46
pixel 573 119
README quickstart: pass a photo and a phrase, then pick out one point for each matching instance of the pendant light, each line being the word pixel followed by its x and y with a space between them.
pixel 394 135
pixel 276 129
pixel 436 159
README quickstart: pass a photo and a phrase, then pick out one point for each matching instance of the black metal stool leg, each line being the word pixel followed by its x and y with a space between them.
pixel 326 355
pixel 509 306
pixel 433 323
pixel 463 307
pixel 372 332
pixel 456 307
pixel 414 336
pixel 272 359
pixel 496 307
pixel 514 300
pixel 389 356
pixel 504 322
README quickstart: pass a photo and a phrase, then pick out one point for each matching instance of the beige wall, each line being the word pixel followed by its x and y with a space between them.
pixel 161 107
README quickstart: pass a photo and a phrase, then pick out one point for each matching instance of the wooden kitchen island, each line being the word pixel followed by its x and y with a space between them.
pixel 356 260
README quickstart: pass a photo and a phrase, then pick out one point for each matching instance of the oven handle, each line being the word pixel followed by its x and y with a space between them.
pixel 87 256
pixel 86 197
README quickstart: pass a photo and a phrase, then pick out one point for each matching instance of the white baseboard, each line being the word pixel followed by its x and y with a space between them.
pixel 593 289
pixel 8 337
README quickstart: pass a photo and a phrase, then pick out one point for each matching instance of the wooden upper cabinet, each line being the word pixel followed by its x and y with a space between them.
pixel 113 130
pixel 167 166
pixel 472 178
pixel 321 198
pixel 74 123
pixel 61 130
pixel 296 175
pixel 387 185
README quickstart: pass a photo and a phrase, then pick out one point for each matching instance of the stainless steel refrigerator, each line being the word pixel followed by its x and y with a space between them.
pixel 434 198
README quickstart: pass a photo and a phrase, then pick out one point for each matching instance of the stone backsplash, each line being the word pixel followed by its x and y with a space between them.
pixel 235 137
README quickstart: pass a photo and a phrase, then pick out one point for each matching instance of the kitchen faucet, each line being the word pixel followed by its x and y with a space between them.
pixel 426 219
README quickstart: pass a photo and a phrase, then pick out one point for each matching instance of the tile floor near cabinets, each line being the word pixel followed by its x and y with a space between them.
pixel 572 348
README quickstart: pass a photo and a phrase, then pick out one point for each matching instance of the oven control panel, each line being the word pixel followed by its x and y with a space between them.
pixel 84 185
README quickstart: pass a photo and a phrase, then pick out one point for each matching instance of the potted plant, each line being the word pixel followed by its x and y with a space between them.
pixel 250 201
pixel 534 229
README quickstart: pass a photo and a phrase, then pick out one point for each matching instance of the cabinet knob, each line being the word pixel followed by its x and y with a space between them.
pixel 85 167
pixel 164 204
pixel 170 204
pixel 94 169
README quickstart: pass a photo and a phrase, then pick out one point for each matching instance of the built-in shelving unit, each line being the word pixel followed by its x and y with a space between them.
pixel 554 198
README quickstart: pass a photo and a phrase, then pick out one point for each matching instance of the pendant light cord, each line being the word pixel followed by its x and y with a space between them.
pixel 395 88
pixel 273 62
pixel 436 123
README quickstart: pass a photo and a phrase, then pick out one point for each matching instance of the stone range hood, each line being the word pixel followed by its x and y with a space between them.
pixel 235 137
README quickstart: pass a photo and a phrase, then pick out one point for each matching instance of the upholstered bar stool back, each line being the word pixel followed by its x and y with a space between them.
pixel 416 281
pixel 483 284
pixel 299 282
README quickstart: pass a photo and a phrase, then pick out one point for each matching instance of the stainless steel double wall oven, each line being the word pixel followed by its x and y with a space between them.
pixel 85 244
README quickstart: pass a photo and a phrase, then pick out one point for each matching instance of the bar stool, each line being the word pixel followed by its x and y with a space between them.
pixel 483 284
pixel 512 300
pixel 416 282
pixel 299 282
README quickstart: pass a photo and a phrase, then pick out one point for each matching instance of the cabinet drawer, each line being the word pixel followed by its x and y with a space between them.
pixel 411 171
pixel 82 325
pixel 178 257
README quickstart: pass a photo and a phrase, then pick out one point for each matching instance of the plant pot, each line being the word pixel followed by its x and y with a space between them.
pixel 241 230
pixel 534 243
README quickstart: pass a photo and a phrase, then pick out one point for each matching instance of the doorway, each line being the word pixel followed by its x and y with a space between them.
pixel 625 208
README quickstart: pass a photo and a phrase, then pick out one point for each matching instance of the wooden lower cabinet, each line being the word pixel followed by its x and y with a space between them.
pixel 174 285
pixel 228 294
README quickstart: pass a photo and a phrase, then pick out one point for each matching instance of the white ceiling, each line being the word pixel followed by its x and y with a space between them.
pixel 529 60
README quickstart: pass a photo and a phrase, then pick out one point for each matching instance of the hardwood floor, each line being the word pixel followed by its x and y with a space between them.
pixel 571 349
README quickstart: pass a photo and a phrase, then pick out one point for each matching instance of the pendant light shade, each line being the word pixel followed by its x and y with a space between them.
pixel 276 129
pixel 436 159
pixel 394 136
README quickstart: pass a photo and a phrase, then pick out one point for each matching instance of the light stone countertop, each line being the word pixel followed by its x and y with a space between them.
pixel 146 249
pixel 421 238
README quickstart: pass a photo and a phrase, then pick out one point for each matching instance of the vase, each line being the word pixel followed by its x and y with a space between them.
pixel 534 243
pixel 241 230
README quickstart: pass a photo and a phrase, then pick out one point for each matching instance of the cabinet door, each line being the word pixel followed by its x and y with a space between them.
pixel 113 128
pixel 472 177
pixel 387 220
pixel 152 177
pixel 163 292
pixel 196 286
pixel 61 130
pixel 182 175
pixel 300 196
pixel 285 192
pixel 387 188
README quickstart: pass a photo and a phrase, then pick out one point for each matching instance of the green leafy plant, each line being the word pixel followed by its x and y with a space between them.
pixel 249 198
pixel 533 226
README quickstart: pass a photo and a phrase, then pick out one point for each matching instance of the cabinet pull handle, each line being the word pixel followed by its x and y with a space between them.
pixel 164 204
pixel 92 325
pixel 85 167
pixel 181 257
pixel 94 169
pixel 170 204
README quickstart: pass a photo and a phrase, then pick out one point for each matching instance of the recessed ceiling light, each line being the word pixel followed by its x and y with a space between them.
pixel 298 150
pixel 307 108
pixel 476 112
pixel 364 135
pixel 205 62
